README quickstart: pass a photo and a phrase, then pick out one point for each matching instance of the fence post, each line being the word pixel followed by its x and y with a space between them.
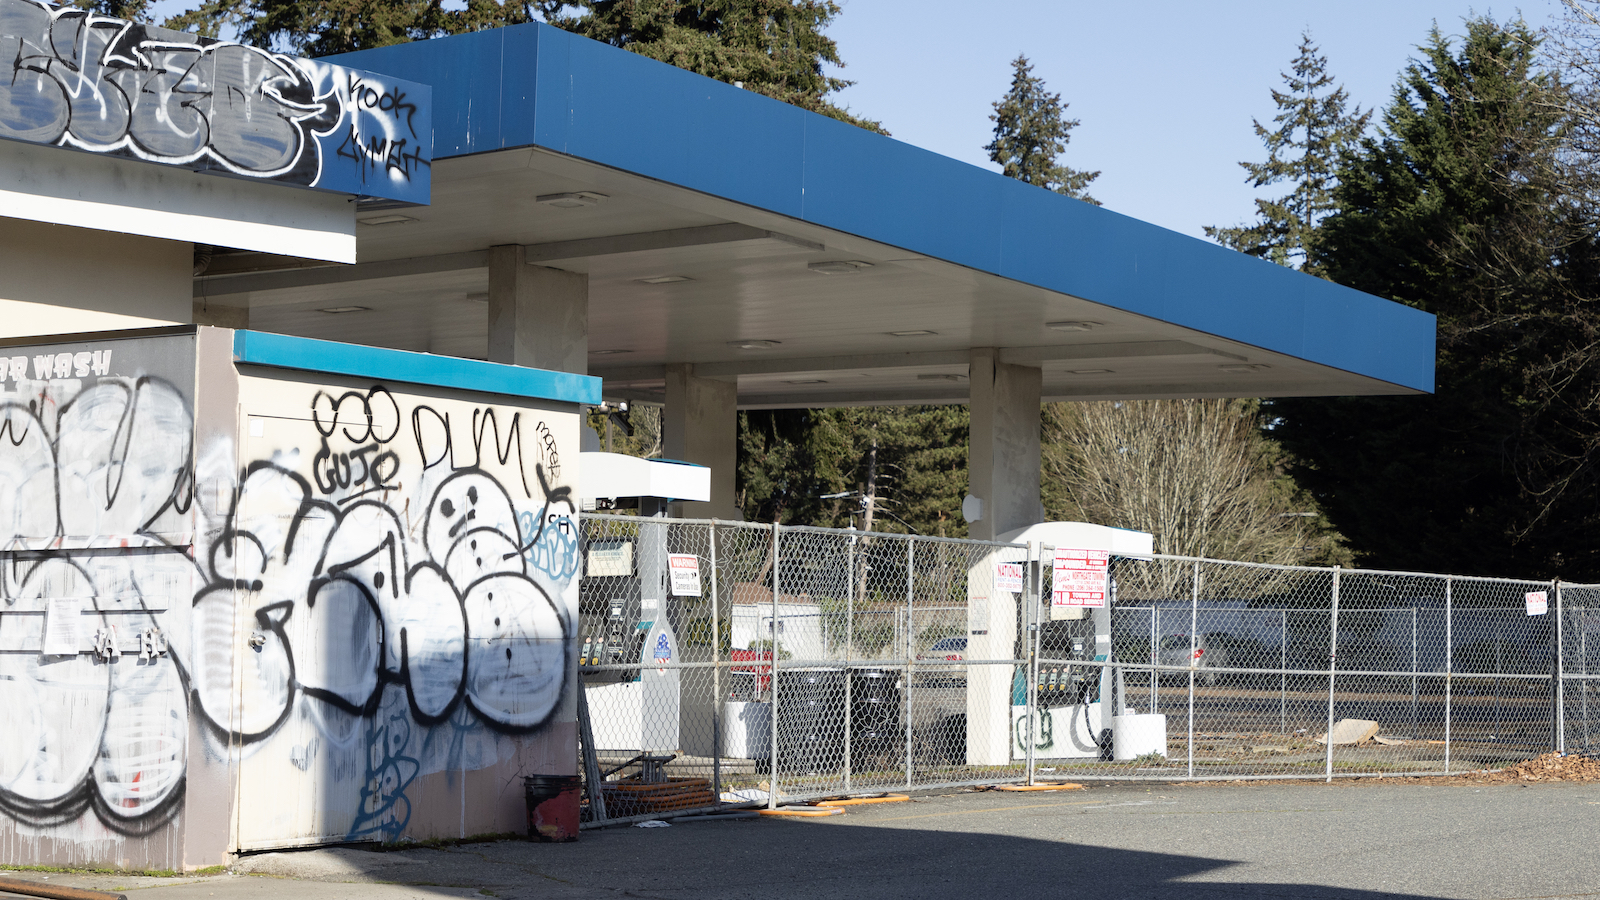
pixel 911 644
pixel 1030 603
pixel 1414 735
pixel 772 793
pixel 1194 623
pixel 1449 661
pixel 849 653
pixel 1333 654
pixel 1560 687
pixel 716 673
pixel 1283 671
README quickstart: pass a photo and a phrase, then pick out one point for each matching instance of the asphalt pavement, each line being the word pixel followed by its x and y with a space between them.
pixel 1345 841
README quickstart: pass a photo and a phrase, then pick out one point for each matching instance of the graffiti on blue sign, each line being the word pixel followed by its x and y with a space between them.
pixel 72 78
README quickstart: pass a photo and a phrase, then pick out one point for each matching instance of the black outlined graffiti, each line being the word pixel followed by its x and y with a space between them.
pixel 105 85
pixel 406 617
pixel 93 483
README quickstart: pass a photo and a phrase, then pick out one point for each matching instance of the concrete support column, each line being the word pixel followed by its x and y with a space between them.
pixel 1002 472
pixel 700 424
pixel 1003 455
pixel 538 317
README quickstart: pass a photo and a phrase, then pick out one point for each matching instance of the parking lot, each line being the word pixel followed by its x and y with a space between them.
pixel 1347 840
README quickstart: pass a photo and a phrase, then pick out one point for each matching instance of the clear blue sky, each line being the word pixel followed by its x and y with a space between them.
pixel 1165 89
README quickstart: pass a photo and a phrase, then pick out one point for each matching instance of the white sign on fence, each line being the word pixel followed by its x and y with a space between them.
pixel 1008 577
pixel 1538 602
pixel 1080 578
pixel 685 569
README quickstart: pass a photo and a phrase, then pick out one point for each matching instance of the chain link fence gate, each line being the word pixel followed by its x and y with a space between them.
pixel 804 662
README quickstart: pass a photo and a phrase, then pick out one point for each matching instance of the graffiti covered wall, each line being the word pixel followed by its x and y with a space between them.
pixel 342 613
pixel 78 79
pixel 404 565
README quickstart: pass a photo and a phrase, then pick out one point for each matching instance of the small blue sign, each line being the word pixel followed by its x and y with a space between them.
pixel 663 649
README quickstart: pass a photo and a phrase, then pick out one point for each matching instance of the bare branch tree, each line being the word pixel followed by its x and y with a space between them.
pixel 1196 474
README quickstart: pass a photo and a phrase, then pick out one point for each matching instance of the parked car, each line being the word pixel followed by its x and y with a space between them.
pixel 1209 652
pixel 950 649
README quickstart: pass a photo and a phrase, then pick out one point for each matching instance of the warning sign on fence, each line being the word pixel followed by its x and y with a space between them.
pixel 685 569
pixel 1538 602
pixel 1080 578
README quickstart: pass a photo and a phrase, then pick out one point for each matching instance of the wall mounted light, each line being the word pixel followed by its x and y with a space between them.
pixel 335 310
pixel 754 344
pixel 386 220
pixel 918 333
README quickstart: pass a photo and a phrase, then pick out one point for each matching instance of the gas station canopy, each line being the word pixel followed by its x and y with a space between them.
pixel 814 262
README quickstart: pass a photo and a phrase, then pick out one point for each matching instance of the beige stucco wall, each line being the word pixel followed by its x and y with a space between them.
pixel 56 279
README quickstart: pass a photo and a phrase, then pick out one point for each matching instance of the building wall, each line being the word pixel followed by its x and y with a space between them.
pixel 56 279
pixel 365 592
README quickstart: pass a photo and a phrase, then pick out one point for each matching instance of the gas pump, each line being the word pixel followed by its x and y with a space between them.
pixel 626 638
pixel 1079 697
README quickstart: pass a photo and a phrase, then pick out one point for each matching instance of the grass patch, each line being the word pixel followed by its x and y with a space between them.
pixel 102 870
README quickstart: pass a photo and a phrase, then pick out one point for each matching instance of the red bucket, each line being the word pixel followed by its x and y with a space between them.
pixel 552 806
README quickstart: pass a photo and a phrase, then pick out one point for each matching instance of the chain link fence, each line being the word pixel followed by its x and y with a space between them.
pixel 737 662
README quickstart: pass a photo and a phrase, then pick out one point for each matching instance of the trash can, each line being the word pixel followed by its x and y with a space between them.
pixel 553 802
pixel 810 718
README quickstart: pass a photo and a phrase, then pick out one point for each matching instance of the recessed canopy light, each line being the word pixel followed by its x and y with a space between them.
pixel 665 279
pixel 839 267
pixel 1088 371
pixel 1073 326
pixel 754 344
pixel 345 309
pixel 807 381
pixel 1243 368
pixel 607 352
pixel 940 376
pixel 571 199
pixel 386 220
pixel 479 297
pixel 919 333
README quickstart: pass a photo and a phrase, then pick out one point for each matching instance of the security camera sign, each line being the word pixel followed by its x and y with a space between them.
pixel 1080 578
pixel 685 570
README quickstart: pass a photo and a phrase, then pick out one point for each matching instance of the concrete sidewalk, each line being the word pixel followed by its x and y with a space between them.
pixel 1352 841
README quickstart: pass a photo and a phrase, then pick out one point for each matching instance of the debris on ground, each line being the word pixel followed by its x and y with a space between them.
pixel 1549 767
pixel 1350 731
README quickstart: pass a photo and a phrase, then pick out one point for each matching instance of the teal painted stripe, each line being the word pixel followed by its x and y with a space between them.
pixel 282 351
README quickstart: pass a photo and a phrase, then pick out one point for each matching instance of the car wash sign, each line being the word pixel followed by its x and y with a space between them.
pixel 1080 578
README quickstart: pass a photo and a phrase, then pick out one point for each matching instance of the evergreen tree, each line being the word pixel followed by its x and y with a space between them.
pixel 1030 133
pixel 1314 125
pixel 898 468
pixel 1448 210
pixel 772 47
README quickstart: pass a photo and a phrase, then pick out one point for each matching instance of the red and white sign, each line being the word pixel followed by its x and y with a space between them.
pixel 1080 578
pixel 1008 577
pixel 1538 602
pixel 685 570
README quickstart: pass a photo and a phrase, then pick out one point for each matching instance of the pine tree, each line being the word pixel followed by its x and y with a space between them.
pixel 1030 133
pixel 1314 125
pixel 772 47
pixel 1448 209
